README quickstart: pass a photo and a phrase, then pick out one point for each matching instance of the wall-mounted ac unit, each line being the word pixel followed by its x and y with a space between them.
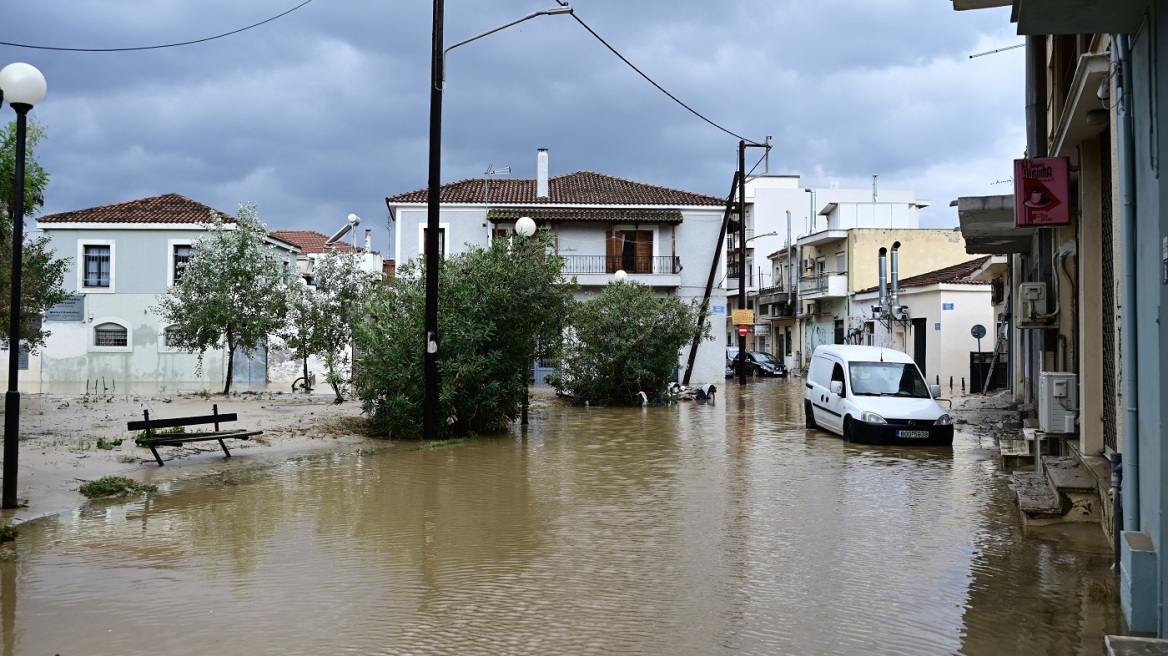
pixel 877 311
pixel 1057 400
pixel 900 313
pixel 812 308
pixel 808 263
pixel 1032 305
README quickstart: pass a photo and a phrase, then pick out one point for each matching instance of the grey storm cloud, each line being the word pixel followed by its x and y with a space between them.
pixel 325 111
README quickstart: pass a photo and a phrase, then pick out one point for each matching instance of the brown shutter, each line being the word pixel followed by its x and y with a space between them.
pixel 612 250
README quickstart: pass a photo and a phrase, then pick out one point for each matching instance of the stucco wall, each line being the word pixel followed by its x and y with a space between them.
pixel 921 251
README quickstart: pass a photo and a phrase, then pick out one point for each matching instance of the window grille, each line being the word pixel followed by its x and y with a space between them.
pixel 97 266
pixel 182 255
pixel 110 334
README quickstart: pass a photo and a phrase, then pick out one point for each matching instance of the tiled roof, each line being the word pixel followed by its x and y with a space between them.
pixel 311 242
pixel 581 188
pixel 957 274
pixel 167 208
pixel 541 214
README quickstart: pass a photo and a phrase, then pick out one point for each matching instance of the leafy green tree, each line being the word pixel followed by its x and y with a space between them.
pixel 232 291
pixel 496 307
pixel 623 342
pixel 321 319
pixel 41 274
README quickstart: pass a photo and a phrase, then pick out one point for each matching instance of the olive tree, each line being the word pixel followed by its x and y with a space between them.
pixel 321 318
pixel 623 342
pixel 41 274
pixel 232 290
pixel 498 308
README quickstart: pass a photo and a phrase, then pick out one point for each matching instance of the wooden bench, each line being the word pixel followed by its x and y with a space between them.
pixel 153 439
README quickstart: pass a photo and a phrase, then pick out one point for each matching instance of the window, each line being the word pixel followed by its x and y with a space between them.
pixel 110 334
pixel 441 243
pixel 170 337
pixel 181 255
pixel 97 266
pixel 841 262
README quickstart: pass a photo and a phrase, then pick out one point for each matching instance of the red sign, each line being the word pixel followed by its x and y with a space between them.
pixel 744 330
pixel 1041 192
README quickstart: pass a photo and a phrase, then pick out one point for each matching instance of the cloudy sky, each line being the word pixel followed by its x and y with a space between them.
pixel 325 111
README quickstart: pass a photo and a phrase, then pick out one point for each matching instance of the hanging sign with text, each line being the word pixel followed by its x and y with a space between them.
pixel 1041 192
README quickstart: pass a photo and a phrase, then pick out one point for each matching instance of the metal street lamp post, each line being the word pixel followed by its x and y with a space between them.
pixel 23 86
pixel 437 82
pixel 525 227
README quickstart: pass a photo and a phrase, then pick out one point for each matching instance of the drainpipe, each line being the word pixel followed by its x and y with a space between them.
pixel 883 279
pixel 893 295
pixel 1129 493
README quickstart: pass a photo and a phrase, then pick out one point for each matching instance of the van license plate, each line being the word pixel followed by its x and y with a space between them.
pixel 911 434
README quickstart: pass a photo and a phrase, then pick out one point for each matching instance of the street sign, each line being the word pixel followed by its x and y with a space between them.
pixel 743 330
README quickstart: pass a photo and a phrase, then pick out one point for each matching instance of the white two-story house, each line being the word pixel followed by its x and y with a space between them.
pixel 660 237
pixel 107 335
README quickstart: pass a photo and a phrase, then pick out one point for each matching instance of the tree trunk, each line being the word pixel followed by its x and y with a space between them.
pixel 230 361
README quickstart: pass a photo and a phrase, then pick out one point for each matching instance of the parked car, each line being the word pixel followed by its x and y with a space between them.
pixel 757 363
pixel 873 395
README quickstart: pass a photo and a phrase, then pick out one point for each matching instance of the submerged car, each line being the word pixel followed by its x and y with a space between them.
pixel 874 395
pixel 757 364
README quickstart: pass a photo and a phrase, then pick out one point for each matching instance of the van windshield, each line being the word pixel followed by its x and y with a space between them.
pixel 887 379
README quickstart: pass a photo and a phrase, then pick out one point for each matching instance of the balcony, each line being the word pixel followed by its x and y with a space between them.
pixel 824 285
pixel 655 271
pixel 775 294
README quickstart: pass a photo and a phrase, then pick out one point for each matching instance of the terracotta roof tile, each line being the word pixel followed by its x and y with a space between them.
pixel 311 242
pixel 957 274
pixel 167 208
pixel 581 188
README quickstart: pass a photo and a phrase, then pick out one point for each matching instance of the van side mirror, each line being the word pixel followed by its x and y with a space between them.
pixel 836 387
pixel 935 390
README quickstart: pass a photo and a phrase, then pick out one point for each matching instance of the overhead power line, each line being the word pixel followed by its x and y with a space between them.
pixel 160 46
pixel 650 80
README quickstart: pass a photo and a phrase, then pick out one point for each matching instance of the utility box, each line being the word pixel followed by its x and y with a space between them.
pixel 1057 402
pixel 1032 305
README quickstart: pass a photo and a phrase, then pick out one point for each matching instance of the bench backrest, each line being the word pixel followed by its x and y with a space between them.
pixel 180 421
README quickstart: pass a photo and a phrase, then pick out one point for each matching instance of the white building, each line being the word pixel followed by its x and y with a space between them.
pixel 660 237
pixel 122 257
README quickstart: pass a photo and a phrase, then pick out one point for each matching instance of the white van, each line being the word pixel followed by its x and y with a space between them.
pixel 873 395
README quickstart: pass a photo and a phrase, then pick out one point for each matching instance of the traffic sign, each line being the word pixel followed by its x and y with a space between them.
pixel 744 330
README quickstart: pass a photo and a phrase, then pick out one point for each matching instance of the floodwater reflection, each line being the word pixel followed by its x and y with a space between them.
pixel 694 529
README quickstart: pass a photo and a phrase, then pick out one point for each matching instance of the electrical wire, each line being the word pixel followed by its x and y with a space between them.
pixel 563 3
pixel 156 47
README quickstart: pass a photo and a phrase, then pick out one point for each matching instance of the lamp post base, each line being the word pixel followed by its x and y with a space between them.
pixel 11 446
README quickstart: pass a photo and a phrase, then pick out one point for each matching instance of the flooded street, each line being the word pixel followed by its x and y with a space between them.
pixel 694 529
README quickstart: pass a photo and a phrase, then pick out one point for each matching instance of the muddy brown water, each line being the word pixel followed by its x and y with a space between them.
pixel 694 529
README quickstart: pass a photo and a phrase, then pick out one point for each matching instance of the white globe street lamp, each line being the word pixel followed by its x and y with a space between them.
pixel 619 276
pixel 23 86
pixel 525 226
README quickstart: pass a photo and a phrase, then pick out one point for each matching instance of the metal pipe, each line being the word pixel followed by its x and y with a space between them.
pixel 790 263
pixel 1125 165
pixel 894 293
pixel 883 278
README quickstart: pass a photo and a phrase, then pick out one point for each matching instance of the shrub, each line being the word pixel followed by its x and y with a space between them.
pixel 497 307
pixel 623 342
pixel 114 486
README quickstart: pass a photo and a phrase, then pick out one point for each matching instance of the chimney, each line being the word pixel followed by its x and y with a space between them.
pixel 368 240
pixel 541 173
pixel 894 296
pixel 883 277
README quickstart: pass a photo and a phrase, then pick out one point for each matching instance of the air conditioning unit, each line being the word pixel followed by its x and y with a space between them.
pixel 812 308
pixel 1032 305
pixel 900 313
pixel 877 311
pixel 1057 398
pixel 808 263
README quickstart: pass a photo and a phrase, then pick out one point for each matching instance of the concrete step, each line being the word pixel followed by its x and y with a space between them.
pixel 1075 486
pixel 1036 499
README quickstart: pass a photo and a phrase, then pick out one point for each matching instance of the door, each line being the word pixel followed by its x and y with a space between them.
pixel 919 335
pixel 250 369
pixel 833 403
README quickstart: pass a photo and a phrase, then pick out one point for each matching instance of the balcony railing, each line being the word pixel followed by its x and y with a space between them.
pixel 821 283
pixel 656 264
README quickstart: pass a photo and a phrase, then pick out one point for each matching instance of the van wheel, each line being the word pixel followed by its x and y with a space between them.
pixel 808 416
pixel 849 430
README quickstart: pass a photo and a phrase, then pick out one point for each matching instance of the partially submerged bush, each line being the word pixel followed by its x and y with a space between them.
pixel 624 342
pixel 497 308
pixel 115 486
